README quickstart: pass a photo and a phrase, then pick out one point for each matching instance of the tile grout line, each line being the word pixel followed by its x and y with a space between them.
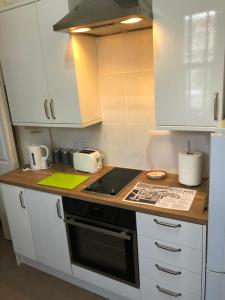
pixel 126 73
pixel 128 135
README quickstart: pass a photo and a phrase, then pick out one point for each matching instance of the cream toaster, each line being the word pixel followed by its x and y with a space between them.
pixel 87 160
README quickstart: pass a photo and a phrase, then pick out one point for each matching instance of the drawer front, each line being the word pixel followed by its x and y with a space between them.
pixel 170 277
pixel 154 291
pixel 170 253
pixel 170 230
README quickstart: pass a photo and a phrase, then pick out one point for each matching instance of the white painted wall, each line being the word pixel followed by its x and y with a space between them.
pixel 126 136
pixel 8 155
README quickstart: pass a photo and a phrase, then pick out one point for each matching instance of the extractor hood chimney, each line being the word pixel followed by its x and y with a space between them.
pixel 105 17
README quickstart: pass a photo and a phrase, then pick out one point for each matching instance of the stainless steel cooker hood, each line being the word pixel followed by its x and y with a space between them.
pixel 104 17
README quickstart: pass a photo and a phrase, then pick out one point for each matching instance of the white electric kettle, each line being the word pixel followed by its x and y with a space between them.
pixel 37 160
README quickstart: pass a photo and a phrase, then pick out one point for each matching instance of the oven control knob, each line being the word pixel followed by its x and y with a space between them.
pixel 113 193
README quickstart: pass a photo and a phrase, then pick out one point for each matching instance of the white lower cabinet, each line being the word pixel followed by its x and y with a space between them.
pixel 48 228
pixel 153 291
pixel 171 259
pixel 171 252
pixel 15 203
pixel 168 277
pixel 37 227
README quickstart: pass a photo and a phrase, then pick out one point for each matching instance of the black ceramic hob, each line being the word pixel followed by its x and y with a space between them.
pixel 113 182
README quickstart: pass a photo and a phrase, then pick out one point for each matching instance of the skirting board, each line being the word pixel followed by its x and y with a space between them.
pixel 91 282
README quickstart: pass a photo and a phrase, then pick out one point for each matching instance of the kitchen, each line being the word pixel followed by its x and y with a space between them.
pixel 125 66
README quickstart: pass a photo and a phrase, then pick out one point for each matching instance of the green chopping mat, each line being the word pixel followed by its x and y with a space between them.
pixel 62 180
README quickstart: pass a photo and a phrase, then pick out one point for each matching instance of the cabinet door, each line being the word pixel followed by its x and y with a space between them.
pixel 58 50
pixel 189 44
pixel 16 209
pixel 48 228
pixel 22 64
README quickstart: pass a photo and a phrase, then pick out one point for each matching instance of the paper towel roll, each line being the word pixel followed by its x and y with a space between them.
pixel 190 168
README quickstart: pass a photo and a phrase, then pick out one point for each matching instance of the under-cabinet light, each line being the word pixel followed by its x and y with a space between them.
pixel 84 29
pixel 131 20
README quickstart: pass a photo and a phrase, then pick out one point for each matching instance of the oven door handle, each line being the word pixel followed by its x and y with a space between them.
pixel 122 235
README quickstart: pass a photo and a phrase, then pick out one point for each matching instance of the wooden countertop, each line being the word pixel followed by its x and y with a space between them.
pixel 29 180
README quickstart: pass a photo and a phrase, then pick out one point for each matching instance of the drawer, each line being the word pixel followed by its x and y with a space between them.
pixel 177 280
pixel 170 253
pixel 170 230
pixel 155 291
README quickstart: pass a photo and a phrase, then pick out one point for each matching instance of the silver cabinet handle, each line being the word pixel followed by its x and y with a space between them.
pixel 52 109
pixel 167 248
pixel 46 109
pixel 169 271
pixel 216 106
pixel 168 292
pixel 58 207
pixel 21 200
pixel 167 224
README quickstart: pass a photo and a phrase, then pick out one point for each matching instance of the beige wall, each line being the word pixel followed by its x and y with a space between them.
pixel 126 136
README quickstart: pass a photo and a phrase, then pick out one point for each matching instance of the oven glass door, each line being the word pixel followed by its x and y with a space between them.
pixel 104 249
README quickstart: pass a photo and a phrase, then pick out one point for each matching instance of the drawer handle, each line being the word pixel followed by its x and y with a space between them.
pixel 167 224
pixel 169 271
pixel 167 248
pixel 168 292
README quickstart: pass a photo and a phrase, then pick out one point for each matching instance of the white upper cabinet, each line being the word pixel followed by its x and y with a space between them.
pixel 23 70
pixel 71 68
pixel 51 77
pixel 59 62
pixel 189 48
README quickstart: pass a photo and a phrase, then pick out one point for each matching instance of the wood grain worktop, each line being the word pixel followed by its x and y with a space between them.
pixel 29 180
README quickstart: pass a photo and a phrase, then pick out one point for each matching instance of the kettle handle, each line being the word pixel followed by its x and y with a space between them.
pixel 47 151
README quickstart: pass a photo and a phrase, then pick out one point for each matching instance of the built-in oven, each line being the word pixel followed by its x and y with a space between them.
pixel 103 239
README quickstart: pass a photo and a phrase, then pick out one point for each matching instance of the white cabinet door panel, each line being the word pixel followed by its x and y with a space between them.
pixel 216 223
pixel 48 230
pixel 58 50
pixel 215 286
pixel 18 220
pixel 189 44
pixel 22 64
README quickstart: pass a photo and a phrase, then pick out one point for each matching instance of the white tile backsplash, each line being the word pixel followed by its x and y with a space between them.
pixel 140 97
pixel 126 137
pixel 139 146
pixel 115 144
pixel 113 102
pixel 125 53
